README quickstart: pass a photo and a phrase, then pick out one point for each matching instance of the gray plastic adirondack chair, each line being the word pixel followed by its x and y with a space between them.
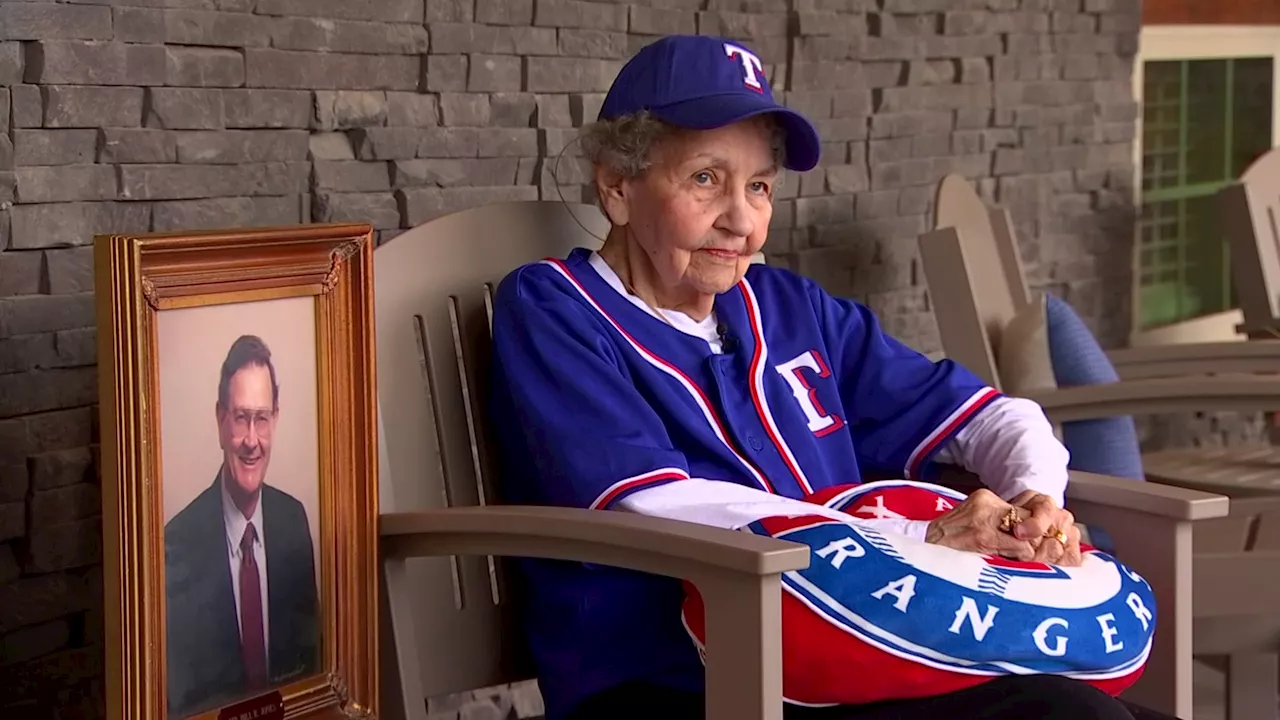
pixel 450 627
pixel 449 603
pixel 975 279
pixel 1250 209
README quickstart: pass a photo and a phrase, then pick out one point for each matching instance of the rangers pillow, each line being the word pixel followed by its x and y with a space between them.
pixel 881 616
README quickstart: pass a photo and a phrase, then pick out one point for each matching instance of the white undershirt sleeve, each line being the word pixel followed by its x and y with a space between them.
pixel 729 505
pixel 1010 445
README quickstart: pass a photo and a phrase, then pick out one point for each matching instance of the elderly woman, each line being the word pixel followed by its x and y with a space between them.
pixel 666 375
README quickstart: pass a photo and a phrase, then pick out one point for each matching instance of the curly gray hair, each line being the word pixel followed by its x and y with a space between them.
pixel 625 144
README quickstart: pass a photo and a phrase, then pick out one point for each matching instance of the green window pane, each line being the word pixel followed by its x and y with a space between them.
pixel 1204 122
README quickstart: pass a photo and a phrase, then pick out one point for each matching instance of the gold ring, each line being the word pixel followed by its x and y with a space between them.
pixel 1058 535
pixel 1010 519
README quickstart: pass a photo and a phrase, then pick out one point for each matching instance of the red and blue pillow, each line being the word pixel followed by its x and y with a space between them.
pixel 881 616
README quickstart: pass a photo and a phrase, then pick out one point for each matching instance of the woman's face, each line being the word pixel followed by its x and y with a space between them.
pixel 702 209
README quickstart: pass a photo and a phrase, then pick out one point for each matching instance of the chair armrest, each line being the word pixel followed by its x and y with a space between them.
pixel 619 539
pixel 1216 358
pixel 1241 393
pixel 1149 498
pixel 738 575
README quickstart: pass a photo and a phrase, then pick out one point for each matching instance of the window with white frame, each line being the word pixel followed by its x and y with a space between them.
pixel 1209 107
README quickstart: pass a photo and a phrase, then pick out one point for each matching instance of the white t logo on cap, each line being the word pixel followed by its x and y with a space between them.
pixel 752 68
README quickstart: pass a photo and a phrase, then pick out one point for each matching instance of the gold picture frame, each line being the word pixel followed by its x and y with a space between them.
pixel 145 284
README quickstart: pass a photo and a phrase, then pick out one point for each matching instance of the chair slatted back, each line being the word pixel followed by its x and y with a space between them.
pixel 1250 210
pixel 974 274
pixel 433 302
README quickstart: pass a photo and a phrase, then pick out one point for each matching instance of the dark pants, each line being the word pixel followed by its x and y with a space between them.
pixel 1013 697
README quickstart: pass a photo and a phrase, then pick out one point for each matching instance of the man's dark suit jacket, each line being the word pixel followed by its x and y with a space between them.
pixel 205 669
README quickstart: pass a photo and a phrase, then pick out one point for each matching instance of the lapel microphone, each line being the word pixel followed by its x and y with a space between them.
pixel 728 342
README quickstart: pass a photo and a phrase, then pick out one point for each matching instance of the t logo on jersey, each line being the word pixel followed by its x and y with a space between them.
pixel 752 68
pixel 792 371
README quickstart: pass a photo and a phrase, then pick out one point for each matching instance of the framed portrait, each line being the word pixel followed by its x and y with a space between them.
pixel 240 507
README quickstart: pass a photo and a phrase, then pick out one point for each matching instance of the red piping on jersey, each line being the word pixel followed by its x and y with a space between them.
pixel 757 331
pixel 649 479
pixel 948 428
pixel 699 396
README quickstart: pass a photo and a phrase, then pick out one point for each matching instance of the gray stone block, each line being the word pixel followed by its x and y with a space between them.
pixel 585 107
pixel 382 10
pixel 1064 22
pixel 331 146
pixel 216 29
pixel 6 154
pixel 69 271
pixel 54 147
pixel 235 147
pixel 661 21
pixel 975 70
pixel 576 14
pixel 485 172
pixel 19 274
pixel 826 76
pixel 455 38
pixel 44 313
pixel 847 179
pixel 346 36
pixel 446 73
pixel 519 110
pixel 204 67
pixel 744 26
pixel 188 182
pixel 910 123
pixel 251 108
pixel 85 62
pixel 329 71
pixel 65 183
pixel 72 106
pixel 504 12
pixel 347 109
pixel 592 43
pixel 448 142
pixel 229 212
pixel 184 109
pixel 377 209
pixel 450 11
pixel 412 110
pixel 464 110
pixel 49 21
pixel 4 110
pixel 495 73
pixel 138 24
pixel 506 142
pixel 550 111
pixel 386 143
pixel 72 224
pixel 820 48
pixel 131 145
pixel 351 176
pixel 550 74
pixel 418 205
pixel 824 210
pixel 10 63
pixel 930 72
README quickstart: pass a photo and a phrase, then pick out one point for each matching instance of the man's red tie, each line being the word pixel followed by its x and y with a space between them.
pixel 252 643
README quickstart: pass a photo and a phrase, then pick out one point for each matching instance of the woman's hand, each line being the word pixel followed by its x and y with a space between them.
pixel 974 525
pixel 1051 529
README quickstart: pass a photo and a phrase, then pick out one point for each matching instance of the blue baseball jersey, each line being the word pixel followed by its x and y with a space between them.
pixel 594 399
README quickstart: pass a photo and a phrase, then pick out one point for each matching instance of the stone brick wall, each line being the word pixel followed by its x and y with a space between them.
pixel 137 115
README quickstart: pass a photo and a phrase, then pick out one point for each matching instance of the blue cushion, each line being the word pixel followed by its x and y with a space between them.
pixel 1108 446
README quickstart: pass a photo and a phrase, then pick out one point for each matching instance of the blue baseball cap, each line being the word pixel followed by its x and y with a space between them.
pixel 700 83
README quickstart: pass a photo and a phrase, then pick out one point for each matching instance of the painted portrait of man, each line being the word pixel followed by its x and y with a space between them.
pixel 242 606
